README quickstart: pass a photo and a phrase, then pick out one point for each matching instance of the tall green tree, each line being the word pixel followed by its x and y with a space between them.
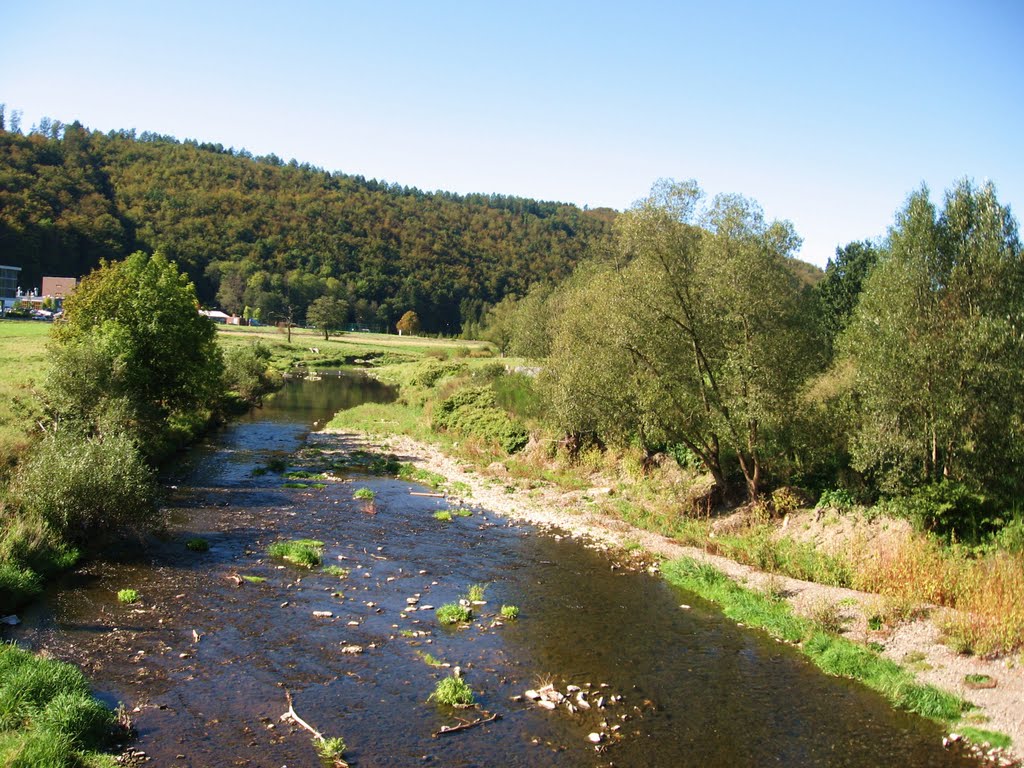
pixel 328 314
pixel 937 342
pixel 840 289
pixel 713 332
pixel 133 350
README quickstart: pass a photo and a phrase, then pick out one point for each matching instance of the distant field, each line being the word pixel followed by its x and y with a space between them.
pixel 304 341
pixel 22 360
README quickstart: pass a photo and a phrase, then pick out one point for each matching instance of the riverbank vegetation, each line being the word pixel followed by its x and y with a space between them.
pixel 717 377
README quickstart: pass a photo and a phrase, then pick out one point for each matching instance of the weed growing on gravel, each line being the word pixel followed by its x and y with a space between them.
pixel 443 515
pixel 364 494
pixel 127 596
pixel 509 612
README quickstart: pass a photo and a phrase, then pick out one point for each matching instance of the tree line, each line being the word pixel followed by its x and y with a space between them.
pixel 897 375
pixel 272 236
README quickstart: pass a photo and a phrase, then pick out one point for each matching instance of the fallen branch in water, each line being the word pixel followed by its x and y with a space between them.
pixel 292 715
pixel 431 495
pixel 465 724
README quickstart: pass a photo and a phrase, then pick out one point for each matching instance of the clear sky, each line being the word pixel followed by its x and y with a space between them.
pixel 829 114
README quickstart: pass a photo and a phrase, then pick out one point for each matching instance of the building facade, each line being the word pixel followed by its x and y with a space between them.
pixel 8 286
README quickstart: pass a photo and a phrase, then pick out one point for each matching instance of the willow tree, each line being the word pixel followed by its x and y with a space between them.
pixel 937 342
pixel 708 336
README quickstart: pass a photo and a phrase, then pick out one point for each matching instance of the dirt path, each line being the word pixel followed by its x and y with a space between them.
pixel 914 644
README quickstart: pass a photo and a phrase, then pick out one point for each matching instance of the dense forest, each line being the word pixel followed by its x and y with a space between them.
pixel 274 236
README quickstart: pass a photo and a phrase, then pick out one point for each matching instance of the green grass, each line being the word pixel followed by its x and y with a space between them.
pixel 452 691
pixel 336 570
pixel 453 613
pixel 330 749
pixel 430 660
pixel 475 594
pixel 980 736
pixel 197 545
pixel 364 494
pixel 462 512
pixel 127 596
pixel 509 612
pixel 443 515
pixel 833 655
pixel 47 716
pixel 410 473
pixel 22 364
pixel 307 553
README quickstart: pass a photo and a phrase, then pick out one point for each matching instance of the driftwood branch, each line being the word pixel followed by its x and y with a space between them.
pixel 292 715
pixel 465 724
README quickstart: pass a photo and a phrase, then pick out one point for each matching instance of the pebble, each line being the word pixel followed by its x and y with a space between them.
pixel 595 738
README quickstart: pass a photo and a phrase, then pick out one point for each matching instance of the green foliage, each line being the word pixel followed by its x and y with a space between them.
pixel 937 344
pixel 17 586
pixel 364 494
pixel 474 412
pixel 78 485
pixel 509 612
pixel 197 545
pixel 453 692
pixel 307 553
pixel 836 498
pixel 256 233
pixel 330 749
pixel 127 596
pixel 328 314
pixel 337 570
pixel 948 509
pixel 517 393
pixel 248 372
pixel 133 353
pixel 47 717
pixel 839 291
pixel 475 594
pixel 981 736
pixel 704 336
pixel 1011 536
pixel 444 515
pixel 83 719
pixel 453 613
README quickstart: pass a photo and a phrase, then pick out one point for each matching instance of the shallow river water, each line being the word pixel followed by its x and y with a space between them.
pixel 205 658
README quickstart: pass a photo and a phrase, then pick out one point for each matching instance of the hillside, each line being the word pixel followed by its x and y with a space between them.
pixel 255 231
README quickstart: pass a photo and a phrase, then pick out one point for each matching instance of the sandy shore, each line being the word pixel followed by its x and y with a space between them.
pixel 574 513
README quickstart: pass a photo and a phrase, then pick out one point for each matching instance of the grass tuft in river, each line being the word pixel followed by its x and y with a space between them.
pixel 127 596
pixel 307 553
pixel 452 691
pixel 510 612
pixel 453 613
pixel 197 545
pixel 364 494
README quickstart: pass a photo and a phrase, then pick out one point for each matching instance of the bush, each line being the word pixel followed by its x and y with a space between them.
pixel 950 510
pixel 474 412
pixel 78 486
pixel 837 498
pixel 247 372
pixel 17 586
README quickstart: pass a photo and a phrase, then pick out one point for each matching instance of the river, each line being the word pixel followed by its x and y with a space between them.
pixel 204 659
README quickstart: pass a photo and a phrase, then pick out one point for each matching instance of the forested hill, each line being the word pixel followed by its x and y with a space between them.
pixel 258 232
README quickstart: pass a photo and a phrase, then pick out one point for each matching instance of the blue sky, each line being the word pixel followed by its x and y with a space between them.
pixel 828 114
